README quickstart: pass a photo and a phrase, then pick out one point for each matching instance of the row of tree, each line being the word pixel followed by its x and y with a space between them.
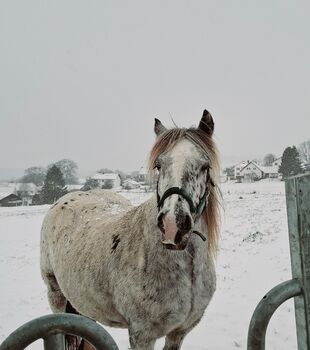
pixel 294 161
pixel 54 184
pixel 38 174
pixel 302 151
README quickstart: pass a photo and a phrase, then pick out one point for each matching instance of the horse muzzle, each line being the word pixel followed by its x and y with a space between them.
pixel 175 229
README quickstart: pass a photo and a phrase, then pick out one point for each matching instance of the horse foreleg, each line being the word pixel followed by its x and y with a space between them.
pixel 174 339
pixel 140 340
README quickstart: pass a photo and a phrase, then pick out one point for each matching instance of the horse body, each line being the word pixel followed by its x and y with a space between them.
pixel 107 259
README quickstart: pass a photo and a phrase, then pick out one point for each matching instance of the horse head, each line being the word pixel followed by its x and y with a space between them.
pixel 185 161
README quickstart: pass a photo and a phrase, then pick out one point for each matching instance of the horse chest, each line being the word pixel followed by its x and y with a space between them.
pixel 179 296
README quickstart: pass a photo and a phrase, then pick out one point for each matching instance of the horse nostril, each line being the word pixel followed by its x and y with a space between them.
pixel 160 222
pixel 188 223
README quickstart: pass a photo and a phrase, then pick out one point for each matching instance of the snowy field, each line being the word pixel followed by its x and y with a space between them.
pixel 254 257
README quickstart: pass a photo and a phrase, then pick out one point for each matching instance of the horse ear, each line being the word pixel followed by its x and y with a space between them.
pixel 206 123
pixel 158 127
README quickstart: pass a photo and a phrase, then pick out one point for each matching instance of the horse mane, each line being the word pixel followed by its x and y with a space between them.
pixel 211 215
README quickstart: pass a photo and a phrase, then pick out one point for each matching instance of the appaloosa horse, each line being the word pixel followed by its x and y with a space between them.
pixel 148 268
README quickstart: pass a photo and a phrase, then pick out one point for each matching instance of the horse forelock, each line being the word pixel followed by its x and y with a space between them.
pixel 211 215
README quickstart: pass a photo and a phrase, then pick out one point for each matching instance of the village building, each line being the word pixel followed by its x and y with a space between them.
pixel 238 168
pixel 108 178
pixel 26 192
pixel 130 184
pixel 11 200
pixel 250 172
pixel 277 162
pixel 142 174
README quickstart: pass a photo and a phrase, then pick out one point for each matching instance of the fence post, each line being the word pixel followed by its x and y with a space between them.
pixel 298 214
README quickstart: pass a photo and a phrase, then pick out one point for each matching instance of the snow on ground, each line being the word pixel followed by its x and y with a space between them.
pixel 253 258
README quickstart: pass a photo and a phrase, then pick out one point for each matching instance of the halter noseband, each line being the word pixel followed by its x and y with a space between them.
pixel 181 192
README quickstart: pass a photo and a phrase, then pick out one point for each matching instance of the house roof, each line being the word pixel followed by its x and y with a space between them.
pixel 277 159
pixel 11 198
pixel 107 176
pixel 251 162
pixel 241 163
pixel 5 190
pixel 273 169
pixel 73 187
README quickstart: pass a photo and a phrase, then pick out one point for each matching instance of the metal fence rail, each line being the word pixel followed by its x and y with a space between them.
pixel 49 328
pixel 298 214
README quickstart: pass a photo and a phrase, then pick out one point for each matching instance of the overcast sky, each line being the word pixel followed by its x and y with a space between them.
pixel 85 79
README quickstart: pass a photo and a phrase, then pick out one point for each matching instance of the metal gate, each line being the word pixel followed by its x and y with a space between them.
pixel 51 329
pixel 298 214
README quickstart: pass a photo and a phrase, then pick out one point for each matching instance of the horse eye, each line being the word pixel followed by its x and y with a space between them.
pixel 205 167
pixel 157 166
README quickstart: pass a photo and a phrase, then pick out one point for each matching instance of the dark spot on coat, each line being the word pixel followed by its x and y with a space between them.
pixel 62 207
pixel 66 203
pixel 72 200
pixel 115 242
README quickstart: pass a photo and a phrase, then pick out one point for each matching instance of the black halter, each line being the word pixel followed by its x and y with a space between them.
pixel 196 210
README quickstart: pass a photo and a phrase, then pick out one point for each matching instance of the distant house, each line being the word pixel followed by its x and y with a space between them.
pixel 306 167
pixel 237 169
pixel 228 174
pixel 11 200
pixel 142 174
pixel 270 171
pixel 251 172
pixel 108 178
pixel 26 191
pixel 130 184
pixel 277 162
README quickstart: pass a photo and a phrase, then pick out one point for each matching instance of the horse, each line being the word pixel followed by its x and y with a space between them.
pixel 150 268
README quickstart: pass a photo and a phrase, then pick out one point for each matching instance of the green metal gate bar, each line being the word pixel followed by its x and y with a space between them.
pixel 298 214
pixel 265 309
pixel 51 327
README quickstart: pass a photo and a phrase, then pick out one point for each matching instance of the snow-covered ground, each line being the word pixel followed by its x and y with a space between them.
pixel 254 257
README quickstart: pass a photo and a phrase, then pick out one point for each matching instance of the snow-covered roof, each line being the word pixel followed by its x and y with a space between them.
pixel 73 187
pixel 107 176
pixel 251 162
pixel 270 169
pixel 132 182
pixel 241 163
pixel 5 191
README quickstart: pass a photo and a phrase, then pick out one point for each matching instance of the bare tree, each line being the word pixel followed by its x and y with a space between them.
pixel 35 174
pixel 304 151
pixel 269 159
pixel 68 169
